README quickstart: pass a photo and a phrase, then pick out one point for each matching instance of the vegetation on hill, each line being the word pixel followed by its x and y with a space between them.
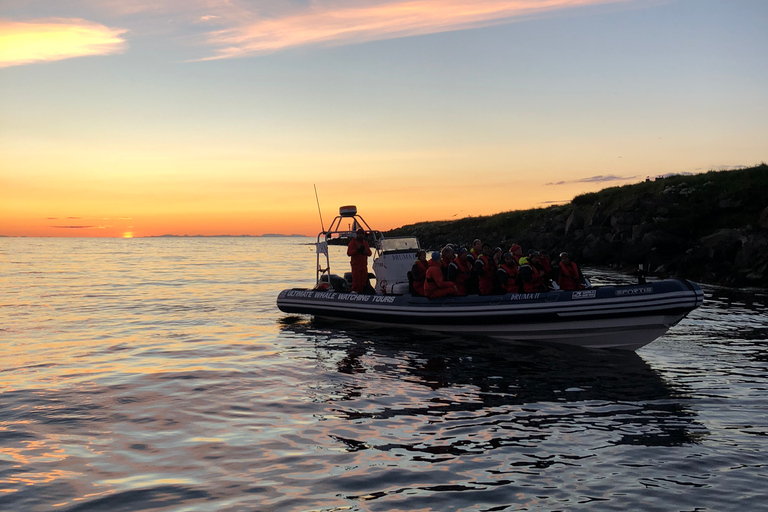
pixel 710 227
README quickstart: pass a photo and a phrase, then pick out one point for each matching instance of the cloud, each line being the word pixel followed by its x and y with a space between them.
pixel 337 23
pixel 600 178
pixel 80 227
pixel 603 178
pixel 55 39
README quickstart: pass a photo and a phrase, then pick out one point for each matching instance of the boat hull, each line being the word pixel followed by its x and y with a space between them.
pixel 619 317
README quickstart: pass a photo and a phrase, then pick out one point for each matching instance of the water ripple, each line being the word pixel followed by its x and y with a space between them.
pixel 158 375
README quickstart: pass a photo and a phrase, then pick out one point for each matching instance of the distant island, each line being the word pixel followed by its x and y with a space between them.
pixel 265 235
pixel 710 227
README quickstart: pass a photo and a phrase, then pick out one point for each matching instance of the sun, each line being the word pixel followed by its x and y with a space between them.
pixel 128 234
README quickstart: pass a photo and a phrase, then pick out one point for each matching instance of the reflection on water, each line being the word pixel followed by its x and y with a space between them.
pixel 582 389
pixel 158 375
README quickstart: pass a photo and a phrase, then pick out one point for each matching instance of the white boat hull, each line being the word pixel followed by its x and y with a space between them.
pixel 618 317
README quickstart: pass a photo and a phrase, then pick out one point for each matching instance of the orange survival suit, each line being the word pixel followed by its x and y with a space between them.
pixel 434 284
pixel 569 277
pixel 358 250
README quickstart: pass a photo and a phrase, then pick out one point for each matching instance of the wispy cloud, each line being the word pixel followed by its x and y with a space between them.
pixel 336 23
pixel 241 28
pixel 81 227
pixel 56 39
pixel 600 178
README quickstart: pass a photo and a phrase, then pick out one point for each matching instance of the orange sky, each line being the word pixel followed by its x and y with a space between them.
pixel 218 116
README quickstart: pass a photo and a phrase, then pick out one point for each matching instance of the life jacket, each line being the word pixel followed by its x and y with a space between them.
pixel 458 272
pixel 358 259
pixel 569 277
pixel 486 271
pixel 533 278
pixel 463 270
pixel 508 278
pixel 434 281
pixel 419 272
pixel 444 264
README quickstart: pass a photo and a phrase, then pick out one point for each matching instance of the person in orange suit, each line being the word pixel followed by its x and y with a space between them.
pixel 517 252
pixel 358 250
pixel 419 272
pixel 507 275
pixel 459 271
pixel 569 277
pixel 531 275
pixel 435 285
pixel 486 270
pixel 477 249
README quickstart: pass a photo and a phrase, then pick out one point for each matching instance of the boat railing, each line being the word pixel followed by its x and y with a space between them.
pixel 338 232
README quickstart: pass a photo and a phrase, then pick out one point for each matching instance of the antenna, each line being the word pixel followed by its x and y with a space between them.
pixel 322 227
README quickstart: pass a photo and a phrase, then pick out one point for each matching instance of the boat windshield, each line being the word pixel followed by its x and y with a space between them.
pixel 399 244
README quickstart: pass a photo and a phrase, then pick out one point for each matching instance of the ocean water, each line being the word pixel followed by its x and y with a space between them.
pixel 157 374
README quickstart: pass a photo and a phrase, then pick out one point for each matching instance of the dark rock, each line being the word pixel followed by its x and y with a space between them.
pixel 659 239
pixel 763 219
pixel 575 221
pixel 723 244
pixel 730 203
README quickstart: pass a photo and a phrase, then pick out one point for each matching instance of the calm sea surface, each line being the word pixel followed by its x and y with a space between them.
pixel 157 374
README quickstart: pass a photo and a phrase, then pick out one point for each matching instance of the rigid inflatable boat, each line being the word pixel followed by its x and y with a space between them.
pixel 619 317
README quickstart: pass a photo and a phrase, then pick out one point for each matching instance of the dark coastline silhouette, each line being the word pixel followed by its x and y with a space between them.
pixel 710 227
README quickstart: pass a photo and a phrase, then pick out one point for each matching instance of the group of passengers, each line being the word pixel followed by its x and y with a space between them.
pixel 484 270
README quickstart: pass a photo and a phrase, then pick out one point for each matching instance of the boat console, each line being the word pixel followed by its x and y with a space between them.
pixel 392 257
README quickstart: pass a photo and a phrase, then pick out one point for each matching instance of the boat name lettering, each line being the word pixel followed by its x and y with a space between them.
pixel 524 296
pixel 586 294
pixel 400 257
pixel 357 297
pixel 635 291
pixel 301 293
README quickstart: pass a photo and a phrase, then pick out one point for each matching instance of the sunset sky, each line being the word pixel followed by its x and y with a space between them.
pixel 211 117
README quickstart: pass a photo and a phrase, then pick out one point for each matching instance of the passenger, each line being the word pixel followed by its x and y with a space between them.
pixel 531 275
pixel 497 252
pixel 419 273
pixel 473 284
pixel 486 270
pixel 569 275
pixel 447 256
pixel 517 252
pixel 359 250
pixel 507 275
pixel 545 263
pixel 477 249
pixel 459 271
pixel 434 284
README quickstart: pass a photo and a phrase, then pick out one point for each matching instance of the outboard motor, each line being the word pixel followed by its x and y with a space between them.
pixel 338 284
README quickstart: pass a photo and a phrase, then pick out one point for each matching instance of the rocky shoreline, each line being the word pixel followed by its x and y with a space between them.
pixel 710 227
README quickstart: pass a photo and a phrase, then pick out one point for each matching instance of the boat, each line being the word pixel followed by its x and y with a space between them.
pixel 625 317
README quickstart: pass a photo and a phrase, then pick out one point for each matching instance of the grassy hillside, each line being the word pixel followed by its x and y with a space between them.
pixel 710 227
